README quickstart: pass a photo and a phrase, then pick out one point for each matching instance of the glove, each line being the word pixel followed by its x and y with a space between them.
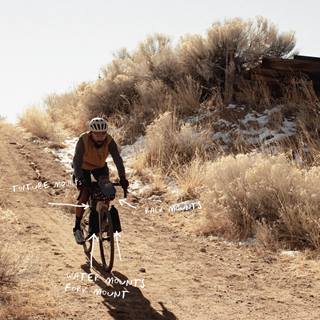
pixel 124 183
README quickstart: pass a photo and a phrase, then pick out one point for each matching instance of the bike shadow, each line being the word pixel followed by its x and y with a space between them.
pixel 130 305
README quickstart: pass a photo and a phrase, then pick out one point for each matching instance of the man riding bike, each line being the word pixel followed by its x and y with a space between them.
pixel 91 152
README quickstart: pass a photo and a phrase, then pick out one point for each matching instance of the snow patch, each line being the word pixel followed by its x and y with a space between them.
pixel 289 253
pixel 253 130
pixel 65 155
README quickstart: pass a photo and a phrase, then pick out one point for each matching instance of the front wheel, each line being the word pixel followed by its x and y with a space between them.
pixel 106 240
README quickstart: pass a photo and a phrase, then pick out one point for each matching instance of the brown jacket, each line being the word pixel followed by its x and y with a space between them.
pixel 89 156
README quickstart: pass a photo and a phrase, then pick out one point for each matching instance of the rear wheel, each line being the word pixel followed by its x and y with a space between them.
pixel 106 240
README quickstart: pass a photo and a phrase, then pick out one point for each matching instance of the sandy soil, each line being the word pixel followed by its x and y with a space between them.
pixel 172 274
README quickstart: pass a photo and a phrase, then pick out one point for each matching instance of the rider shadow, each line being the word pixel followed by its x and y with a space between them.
pixel 131 305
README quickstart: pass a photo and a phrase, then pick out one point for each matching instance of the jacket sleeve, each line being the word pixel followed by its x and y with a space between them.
pixel 113 149
pixel 78 158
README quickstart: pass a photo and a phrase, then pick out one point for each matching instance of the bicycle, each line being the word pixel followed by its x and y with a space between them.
pixel 101 194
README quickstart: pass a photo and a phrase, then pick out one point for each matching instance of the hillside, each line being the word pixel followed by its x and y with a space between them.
pixel 178 275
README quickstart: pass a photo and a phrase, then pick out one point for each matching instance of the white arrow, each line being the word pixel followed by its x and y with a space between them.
pixel 117 235
pixel 122 201
pixel 93 237
pixel 83 205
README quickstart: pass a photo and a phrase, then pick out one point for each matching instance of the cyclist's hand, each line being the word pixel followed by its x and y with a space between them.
pixel 124 183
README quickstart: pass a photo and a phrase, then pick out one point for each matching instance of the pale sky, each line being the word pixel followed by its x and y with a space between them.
pixel 52 45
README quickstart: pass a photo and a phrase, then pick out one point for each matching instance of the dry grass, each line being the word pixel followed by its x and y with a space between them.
pixel 153 96
pixel 190 179
pixel 27 306
pixel 156 183
pixel 17 299
pixel 255 94
pixel 264 196
pixel 108 96
pixel 68 110
pixel 170 144
pixel 173 149
pixel 187 96
pixel 40 124
pixel 138 165
pixel 301 102
pixel 8 268
pixel 117 127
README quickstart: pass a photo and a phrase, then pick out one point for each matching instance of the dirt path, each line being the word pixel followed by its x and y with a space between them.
pixel 171 274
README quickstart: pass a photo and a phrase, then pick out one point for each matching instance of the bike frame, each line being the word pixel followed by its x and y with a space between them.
pixel 102 206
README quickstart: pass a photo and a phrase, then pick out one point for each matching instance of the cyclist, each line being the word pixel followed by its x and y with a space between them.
pixel 91 152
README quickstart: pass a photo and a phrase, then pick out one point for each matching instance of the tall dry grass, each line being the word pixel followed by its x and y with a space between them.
pixel 68 110
pixel 263 196
pixel 17 299
pixel 39 123
pixel 256 94
pixel 190 179
pixel 171 144
pixel 187 97
pixel 8 269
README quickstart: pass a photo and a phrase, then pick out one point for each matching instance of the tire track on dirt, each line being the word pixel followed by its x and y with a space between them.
pixel 39 211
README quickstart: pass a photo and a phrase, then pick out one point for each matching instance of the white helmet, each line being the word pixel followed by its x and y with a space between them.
pixel 98 125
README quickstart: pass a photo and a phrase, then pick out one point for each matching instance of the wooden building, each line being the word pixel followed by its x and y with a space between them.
pixel 276 70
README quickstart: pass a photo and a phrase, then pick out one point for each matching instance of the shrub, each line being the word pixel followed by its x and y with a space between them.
pixel 108 96
pixel 157 53
pixel 231 47
pixel 170 144
pixel 187 96
pixel 153 97
pixel 67 109
pixel 190 179
pixel 157 77
pixel 257 191
pixel 38 122
pixel 131 79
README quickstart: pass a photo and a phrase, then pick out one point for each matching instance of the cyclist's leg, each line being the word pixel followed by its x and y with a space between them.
pixel 77 232
pixel 82 198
